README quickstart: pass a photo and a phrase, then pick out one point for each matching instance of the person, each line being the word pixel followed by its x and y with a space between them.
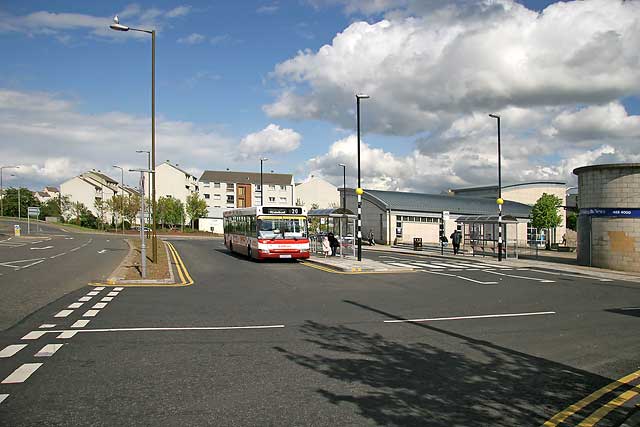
pixel 333 242
pixel 371 241
pixel 456 238
pixel 326 246
pixel 564 240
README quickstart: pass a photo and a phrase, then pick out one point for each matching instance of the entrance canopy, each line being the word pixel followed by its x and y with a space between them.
pixel 486 219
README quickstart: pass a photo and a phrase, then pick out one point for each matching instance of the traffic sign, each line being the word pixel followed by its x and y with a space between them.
pixel 33 211
pixel 445 215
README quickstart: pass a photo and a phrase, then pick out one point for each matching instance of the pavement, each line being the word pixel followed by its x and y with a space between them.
pixel 282 343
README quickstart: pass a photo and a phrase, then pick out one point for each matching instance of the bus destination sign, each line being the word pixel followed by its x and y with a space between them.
pixel 281 211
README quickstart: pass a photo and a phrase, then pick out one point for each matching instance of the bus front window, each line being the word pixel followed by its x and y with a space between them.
pixel 282 228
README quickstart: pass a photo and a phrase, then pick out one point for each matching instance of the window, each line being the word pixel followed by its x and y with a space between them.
pixel 283 200
pixel 230 198
pixel 205 184
pixel 258 188
pixel 216 185
pixel 272 199
pixel 216 197
pixel 207 196
pixel 272 187
pixel 283 187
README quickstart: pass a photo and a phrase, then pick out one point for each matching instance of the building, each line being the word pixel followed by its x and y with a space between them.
pixel 317 191
pixel 47 194
pixel 609 219
pixel 527 193
pixel 226 189
pixel 398 217
pixel 171 181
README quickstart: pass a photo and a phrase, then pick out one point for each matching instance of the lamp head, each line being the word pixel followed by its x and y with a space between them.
pixel 495 116
pixel 342 165
pixel 263 159
pixel 362 96
pixel 117 26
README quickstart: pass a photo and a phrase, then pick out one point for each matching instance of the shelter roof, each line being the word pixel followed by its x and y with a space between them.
pixel 246 177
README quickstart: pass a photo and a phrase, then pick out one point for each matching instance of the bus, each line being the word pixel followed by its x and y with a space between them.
pixel 263 232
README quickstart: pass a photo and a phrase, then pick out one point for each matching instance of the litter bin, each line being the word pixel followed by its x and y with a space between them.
pixel 417 243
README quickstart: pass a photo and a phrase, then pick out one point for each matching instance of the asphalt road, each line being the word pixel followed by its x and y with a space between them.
pixel 285 344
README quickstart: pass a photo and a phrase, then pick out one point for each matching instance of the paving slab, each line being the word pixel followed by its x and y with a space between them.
pixel 351 264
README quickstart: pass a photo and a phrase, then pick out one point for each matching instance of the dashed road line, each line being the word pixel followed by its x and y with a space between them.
pixel 10 350
pixel 66 335
pixel 3 397
pixel 100 305
pixel 461 277
pixel 80 323
pixel 565 274
pixel 56 256
pixel 91 313
pixel 47 326
pixel 21 374
pixel 113 294
pixel 537 279
pixel 99 288
pixel 84 299
pixel 76 305
pixel 48 350
pixel 63 313
pixel 107 299
pixel 42 248
pixel 34 335
pixel 118 289
pixel 481 316
pixel 92 293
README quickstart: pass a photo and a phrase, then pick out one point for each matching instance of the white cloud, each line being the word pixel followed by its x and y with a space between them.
pixel 178 11
pixel 597 122
pixel 193 38
pixel 271 140
pixel 53 141
pixel 268 9
pixel 367 7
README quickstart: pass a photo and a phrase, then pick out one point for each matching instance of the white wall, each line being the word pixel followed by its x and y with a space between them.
pixel 317 190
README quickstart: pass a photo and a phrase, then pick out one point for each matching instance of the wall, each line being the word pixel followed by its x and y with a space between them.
pixel 318 191
pixel 609 242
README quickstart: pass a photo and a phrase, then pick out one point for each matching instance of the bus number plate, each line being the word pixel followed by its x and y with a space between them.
pixel 285 256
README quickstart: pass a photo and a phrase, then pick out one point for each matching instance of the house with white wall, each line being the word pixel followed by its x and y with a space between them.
pixel 317 191
pixel 172 181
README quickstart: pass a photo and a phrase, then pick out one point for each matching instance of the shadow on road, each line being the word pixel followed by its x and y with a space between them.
pixel 446 379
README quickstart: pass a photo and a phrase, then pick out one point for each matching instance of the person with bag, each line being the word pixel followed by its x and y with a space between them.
pixel 456 238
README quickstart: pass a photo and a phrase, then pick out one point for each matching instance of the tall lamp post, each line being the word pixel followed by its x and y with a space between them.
pixel 121 197
pixel 344 186
pixel 119 27
pixel 2 188
pixel 149 168
pixel 359 190
pixel 499 201
pixel 262 159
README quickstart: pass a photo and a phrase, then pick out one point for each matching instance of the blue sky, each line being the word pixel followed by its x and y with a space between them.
pixel 219 82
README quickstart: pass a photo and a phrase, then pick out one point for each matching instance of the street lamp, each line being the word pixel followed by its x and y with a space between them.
pixel 359 190
pixel 148 167
pixel 121 196
pixel 119 27
pixel 262 159
pixel 143 245
pixel 344 186
pixel 499 201
pixel 2 188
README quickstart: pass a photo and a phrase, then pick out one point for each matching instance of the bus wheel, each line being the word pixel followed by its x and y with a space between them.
pixel 249 252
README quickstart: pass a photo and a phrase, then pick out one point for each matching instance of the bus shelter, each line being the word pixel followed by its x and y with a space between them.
pixel 340 222
pixel 481 235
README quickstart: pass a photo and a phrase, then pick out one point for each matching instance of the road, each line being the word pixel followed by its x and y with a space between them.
pixel 286 344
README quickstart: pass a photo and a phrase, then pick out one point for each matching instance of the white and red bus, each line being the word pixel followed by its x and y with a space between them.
pixel 267 232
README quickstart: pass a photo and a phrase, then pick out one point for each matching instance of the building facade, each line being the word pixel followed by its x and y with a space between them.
pixel 171 181
pixel 317 191
pixel 609 219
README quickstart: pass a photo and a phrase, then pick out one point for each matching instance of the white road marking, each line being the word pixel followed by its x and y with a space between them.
pixel 424 264
pixel 188 328
pixel 118 289
pixel 630 308
pixel 92 293
pixel 21 374
pixel 66 335
pixel 34 335
pixel 68 238
pixel 3 397
pixel 48 350
pixel 399 264
pixel 75 249
pixel 113 294
pixel 461 277
pixel 107 299
pixel 30 262
pixel 80 323
pixel 63 313
pixel 537 279
pixel 393 257
pixel 100 305
pixel 91 313
pixel 10 350
pixel 99 288
pixel 84 299
pixel 75 305
pixel 565 274
pixel 102 251
pixel 42 248
pixel 56 256
pixel 47 326
pixel 482 316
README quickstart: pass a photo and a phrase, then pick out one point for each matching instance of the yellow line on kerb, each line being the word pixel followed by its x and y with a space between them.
pixel 189 280
pixel 329 270
pixel 594 418
pixel 566 413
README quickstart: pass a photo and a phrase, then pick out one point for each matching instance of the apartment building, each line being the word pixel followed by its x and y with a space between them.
pixel 171 181
pixel 47 194
pixel 317 191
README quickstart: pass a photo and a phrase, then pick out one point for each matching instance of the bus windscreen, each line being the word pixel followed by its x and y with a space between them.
pixel 282 228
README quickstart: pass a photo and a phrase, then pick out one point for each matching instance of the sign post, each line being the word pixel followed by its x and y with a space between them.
pixel 16 230
pixel 31 211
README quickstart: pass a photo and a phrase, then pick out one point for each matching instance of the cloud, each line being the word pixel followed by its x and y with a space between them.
pixel 268 9
pixel 53 141
pixel 219 39
pixel 366 7
pixel 597 122
pixel 425 71
pixel 201 76
pixel 193 38
pixel 56 24
pixel 271 140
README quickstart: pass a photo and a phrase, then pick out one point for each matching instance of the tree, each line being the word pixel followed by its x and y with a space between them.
pixel 572 221
pixel 170 211
pixel 83 216
pixel 50 208
pixel 196 207
pixel 544 214
pixel 10 201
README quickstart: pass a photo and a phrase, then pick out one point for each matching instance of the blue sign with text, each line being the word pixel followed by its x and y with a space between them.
pixel 611 212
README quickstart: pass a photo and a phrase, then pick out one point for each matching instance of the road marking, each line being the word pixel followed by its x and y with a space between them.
pixel 48 350
pixel 21 374
pixel 84 299
pixel 99 288
pixel 56 256
pixel 102 251
pixel 91 313
pixel 113 294
pixel 482 316
pixel 75 249
pixel 47 326
pixel 424 264
pixel 630 308
pixel 118 289
pixel 42 248
pixel 107 299
pixel 80 323
pixel 100 305
pixel 75 305
pixel 63 313
pixel 169 329
pixel 602 412
pixel 66 335
pixel 31 262
pixel 460 277
pixel 3 397
pixel 34 335
pixel 10 350
pixel 537 279
pixel 92 294
pixel 572 409
pixel 565 274
pixel 68 238
pixel 399 264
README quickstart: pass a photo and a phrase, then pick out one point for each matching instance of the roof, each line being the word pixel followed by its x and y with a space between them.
pixel 330 212
pixel 43 194
pixel 418 202
pixel 51 189
pixel 495 187
pixel 176 167
pixel 486 219
pixel 104 177
pixel 579 170
pixel 247 177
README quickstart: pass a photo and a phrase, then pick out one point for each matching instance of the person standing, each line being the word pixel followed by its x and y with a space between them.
pixel 371 241
pixel 456 238
pixel 334 244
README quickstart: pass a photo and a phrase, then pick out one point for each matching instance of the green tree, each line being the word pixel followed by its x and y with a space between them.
pixel 196 207
pixel 572 221
pixel 544 214
pixel 10 201
pixel 50 208
pixel 170 211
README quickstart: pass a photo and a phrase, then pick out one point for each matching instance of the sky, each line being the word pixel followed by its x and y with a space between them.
pixel 236 81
